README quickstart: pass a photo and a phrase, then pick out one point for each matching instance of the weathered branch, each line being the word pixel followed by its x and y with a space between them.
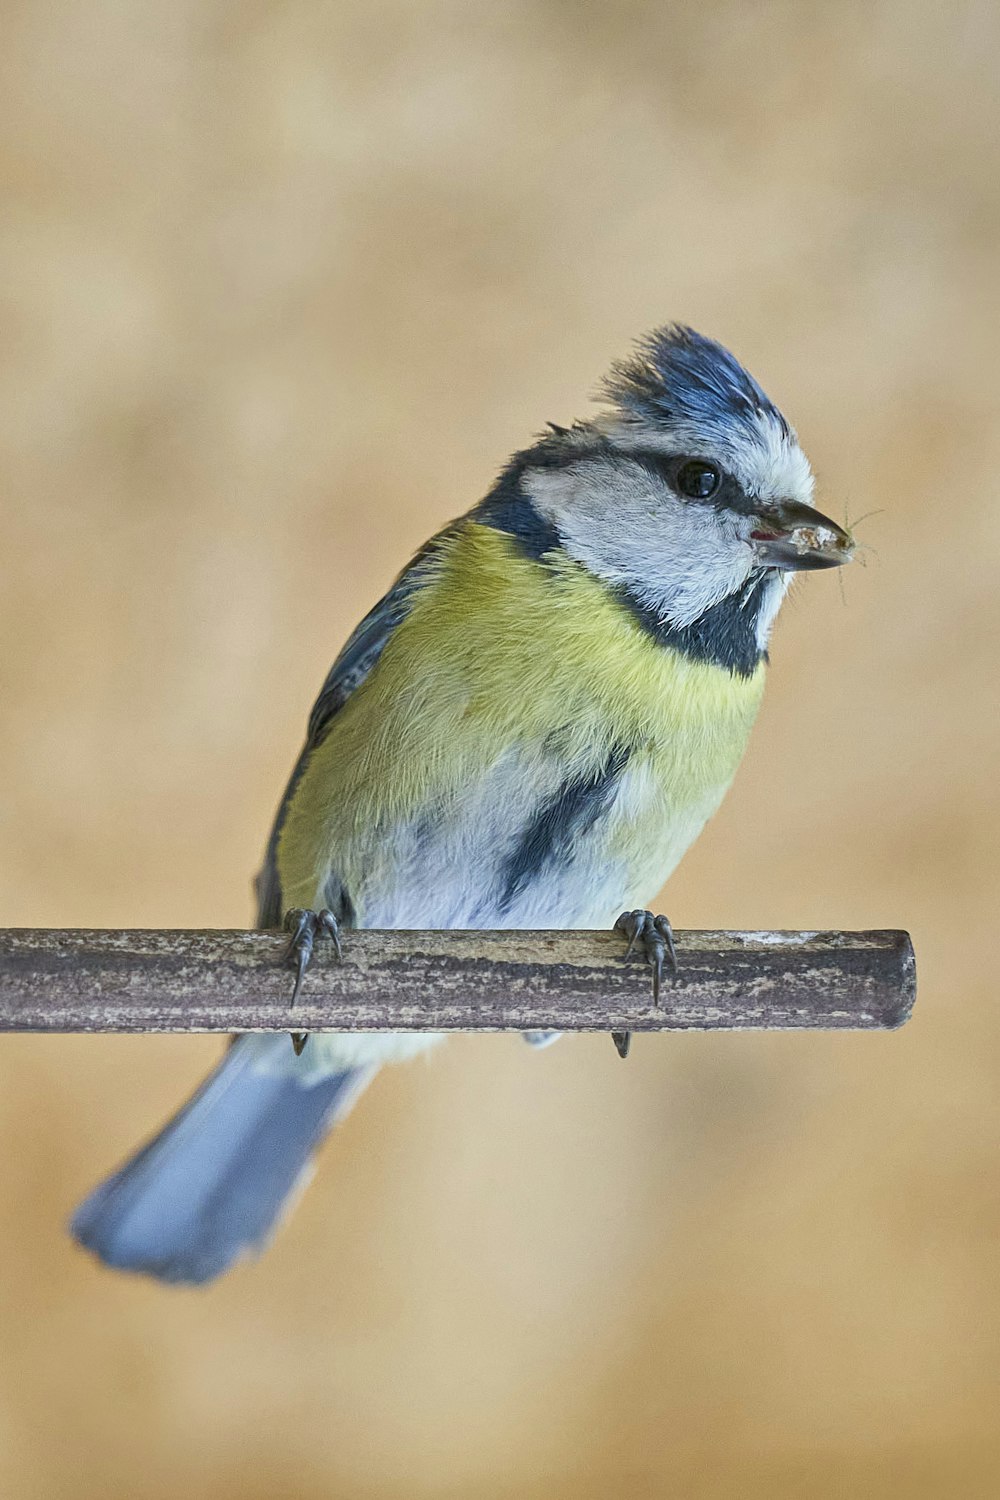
pixel 77 980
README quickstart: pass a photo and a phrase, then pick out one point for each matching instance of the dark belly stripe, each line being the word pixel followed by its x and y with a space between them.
pixel 550 836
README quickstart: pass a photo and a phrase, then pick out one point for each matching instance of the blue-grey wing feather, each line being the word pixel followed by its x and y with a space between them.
pixel 357 659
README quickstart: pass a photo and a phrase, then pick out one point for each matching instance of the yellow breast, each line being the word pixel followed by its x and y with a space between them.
pixel 498 651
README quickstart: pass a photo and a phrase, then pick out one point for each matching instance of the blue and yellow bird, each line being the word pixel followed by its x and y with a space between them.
pixel 529 730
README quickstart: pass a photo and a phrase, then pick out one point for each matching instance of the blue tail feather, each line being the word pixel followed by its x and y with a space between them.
pixel 212 1185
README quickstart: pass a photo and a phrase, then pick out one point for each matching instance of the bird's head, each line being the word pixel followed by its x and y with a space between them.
pixel 688 491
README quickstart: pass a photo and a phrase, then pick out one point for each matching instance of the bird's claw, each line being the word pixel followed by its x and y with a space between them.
pixel 655 936
pixel 622 1041
pixel 305 927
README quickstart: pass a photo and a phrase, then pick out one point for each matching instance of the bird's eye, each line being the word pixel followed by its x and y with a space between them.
pixel 697 479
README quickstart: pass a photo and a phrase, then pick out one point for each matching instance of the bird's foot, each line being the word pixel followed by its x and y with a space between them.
pixel 655 937
pixel 305 927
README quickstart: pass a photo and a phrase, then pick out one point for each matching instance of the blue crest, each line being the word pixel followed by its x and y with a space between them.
pixel 678 375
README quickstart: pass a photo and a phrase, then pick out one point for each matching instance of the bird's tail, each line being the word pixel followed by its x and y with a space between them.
pixel 213 1184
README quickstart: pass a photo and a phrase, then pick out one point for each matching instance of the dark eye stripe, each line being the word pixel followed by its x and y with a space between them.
pixel 730 494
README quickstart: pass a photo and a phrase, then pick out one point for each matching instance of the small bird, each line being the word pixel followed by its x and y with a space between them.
pixel 529 730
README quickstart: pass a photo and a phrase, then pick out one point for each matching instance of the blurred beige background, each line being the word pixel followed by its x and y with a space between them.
pixel 283 285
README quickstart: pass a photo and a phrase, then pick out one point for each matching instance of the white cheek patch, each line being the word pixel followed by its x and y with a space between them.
pixel 679 559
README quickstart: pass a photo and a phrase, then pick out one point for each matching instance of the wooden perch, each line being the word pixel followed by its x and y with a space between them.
pixel 76 980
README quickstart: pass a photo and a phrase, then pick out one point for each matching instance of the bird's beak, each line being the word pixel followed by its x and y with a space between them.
pixel 796 537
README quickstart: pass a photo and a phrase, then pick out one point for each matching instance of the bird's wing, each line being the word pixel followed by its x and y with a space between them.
pixel 357 659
